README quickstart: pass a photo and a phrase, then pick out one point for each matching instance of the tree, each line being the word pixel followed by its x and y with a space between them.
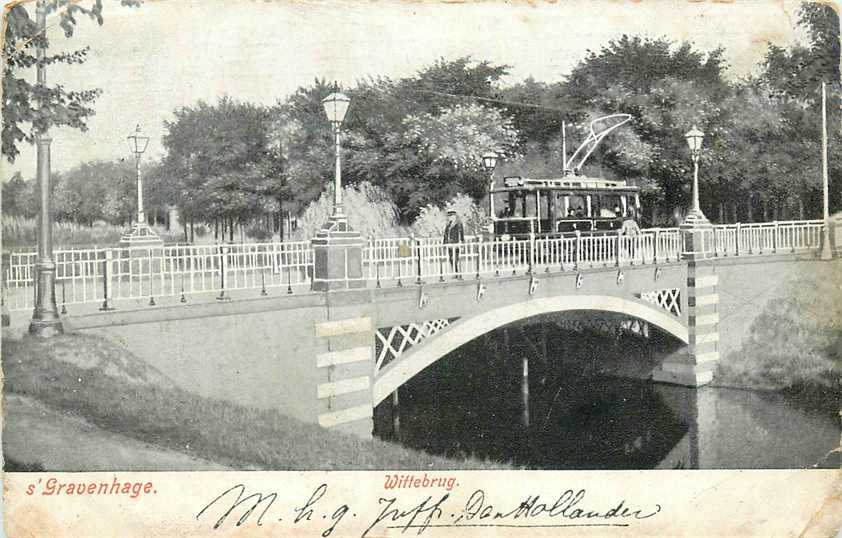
pixel 29 109
pixel 220 162
pixel 666 88
pixel 97 190
pixel 376 143
pixel 19 197
pixel 794 77
pixel 458 136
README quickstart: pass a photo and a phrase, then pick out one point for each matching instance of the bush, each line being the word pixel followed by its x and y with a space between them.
pixel 432 219
pixel 795 341
pixel 20 233
pixel 369 209
pixel 259 232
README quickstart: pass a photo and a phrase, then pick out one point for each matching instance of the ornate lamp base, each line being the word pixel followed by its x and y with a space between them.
pixel 338 256
pixel 695 218
pixel 141 236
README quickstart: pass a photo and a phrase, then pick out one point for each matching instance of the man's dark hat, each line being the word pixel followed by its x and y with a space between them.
pixel 451 212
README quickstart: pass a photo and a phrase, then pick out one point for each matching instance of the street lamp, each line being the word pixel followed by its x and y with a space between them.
pixel 336 106
pixel 826 252
pixel 489 162
pixel 337 248
pixel 137 145
pixel 45 318
pixel 141 234
pixel 694 139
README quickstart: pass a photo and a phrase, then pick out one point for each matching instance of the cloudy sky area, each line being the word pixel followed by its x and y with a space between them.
pixel 171 53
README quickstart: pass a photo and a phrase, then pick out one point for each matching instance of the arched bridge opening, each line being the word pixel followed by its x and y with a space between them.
pixel 540 391
pixel 404 351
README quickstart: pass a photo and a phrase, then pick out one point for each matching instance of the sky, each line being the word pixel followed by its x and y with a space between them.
pixel 166 54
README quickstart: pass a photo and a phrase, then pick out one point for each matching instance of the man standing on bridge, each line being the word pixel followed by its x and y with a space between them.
pixel 454 234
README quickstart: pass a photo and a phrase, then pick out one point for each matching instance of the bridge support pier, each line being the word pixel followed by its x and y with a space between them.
pixel 344 363
pixel 695 367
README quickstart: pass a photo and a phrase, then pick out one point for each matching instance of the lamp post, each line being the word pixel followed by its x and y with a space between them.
pixel 141 234
pixel 826 250
pixel 337 248
pixel 336 106
pixel 489 162
pixel 137 145
pixel 694 139
pixel 45 318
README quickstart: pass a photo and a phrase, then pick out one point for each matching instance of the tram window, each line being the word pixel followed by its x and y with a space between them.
pixel 531 204
pixel 516 203
pixel 577 206
pixel 610 206
pixel 545 205
pixel 502 205
pixel 522 204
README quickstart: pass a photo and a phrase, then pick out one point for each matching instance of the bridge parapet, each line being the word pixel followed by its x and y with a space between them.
pixel 116 277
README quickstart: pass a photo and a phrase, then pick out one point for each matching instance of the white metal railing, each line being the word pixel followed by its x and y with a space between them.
pixel 408 259
pixel 107 275
pixel 104 275
pixel 778 237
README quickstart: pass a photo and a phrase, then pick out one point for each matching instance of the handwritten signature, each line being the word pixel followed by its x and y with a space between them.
pixel 568 509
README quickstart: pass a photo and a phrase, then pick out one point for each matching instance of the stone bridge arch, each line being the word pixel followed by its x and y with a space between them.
pixel 460 332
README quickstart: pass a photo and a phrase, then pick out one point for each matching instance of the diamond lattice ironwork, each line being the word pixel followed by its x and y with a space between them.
pixel 669 299
pixel 392 342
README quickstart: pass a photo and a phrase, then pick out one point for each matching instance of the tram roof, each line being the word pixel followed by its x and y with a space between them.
pixel 569 182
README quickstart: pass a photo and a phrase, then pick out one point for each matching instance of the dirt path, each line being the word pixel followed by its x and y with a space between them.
pixel 34 433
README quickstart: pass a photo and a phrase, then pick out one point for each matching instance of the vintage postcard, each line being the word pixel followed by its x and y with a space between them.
pixel 403 268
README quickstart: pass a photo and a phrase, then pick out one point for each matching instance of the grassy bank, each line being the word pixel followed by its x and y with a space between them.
pixel 110 388
pixel 21 233
pixel 795 344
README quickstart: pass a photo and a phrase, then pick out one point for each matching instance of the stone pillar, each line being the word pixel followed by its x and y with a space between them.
pixel 338 256
pixel 694 366
pixel 345 362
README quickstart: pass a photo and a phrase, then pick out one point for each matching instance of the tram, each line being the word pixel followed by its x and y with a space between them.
pixel 574 203
pixel 525 207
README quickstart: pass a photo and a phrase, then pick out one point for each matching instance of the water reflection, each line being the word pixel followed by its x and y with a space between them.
pixel 582 415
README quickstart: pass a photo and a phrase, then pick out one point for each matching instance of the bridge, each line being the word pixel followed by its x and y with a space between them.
pixel 261 325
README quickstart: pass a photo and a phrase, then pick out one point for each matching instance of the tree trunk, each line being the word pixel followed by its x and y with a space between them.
pixel 186 237
pixel 230 230
pixel 749 210
pixel 765 210
pixel 721 212
pixel 192 231
pixel 734 212
pixel 800 208
pixel 216 229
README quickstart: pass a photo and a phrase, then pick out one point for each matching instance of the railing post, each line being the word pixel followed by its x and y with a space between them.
pixel 441 263
pixel 618 244
pixel 479 254
pixel 151 279
pixel 107 276
pixel 417 247
pixel 775 237
pixel 655 247
pixel 398 264
pixel 531 252
pixel 737 238
pixel 578 253
pixel 223 268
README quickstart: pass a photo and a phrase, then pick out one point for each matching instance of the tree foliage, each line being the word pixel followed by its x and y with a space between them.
pixel 30 109
pixel 219 158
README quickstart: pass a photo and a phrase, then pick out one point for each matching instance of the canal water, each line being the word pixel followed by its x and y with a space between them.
pixel 590 406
